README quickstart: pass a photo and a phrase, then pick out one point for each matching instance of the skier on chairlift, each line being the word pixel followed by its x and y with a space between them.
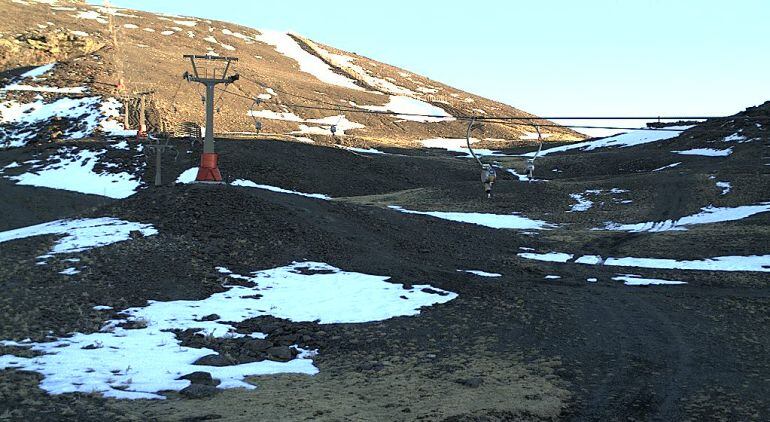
pixel 488 177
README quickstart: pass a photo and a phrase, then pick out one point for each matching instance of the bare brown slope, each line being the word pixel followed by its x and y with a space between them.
pixel 148 55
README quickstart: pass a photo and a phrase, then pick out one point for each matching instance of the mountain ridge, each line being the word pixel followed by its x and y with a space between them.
pixel 145 51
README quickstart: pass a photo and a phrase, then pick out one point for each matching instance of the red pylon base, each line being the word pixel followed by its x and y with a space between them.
pixel 208 171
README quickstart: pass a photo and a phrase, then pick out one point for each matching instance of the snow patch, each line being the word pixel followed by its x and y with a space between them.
pixel 637 137
pixel 74 171
pixel 635 280
pixel 81 234
pixel 495 221
pixel 706 152
pixel 114 361
pixel 410 106
pixel 250 184
pixel 308 63
pixel 708 215
pixel 481 273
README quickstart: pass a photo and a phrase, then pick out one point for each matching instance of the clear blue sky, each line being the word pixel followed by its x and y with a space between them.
pixel 549 57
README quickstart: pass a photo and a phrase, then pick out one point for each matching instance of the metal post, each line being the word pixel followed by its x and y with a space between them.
pixel 208 142
pixel 126 102
pixel 209 170
pixel 142 123
pixel 158 152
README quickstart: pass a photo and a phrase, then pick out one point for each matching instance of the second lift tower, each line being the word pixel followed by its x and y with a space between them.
pixel 209 71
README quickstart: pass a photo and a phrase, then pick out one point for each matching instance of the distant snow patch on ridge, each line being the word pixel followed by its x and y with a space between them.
pixel 636 137
pixel 308 63
pixel 73 170
pixel 81 234
pixel 250 184
pixel 495 221
pixel 114 361
pixel 708 215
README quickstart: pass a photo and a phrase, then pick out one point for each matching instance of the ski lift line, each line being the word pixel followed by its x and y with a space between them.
pixel 508 119
pixel 468 141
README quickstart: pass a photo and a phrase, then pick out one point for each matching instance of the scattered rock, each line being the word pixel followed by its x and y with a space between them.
pixel 201 378
pixel 473 382
pixel 280 353
pixel 198 391
pixel 258 345
pixel 212 317
pixel 213 360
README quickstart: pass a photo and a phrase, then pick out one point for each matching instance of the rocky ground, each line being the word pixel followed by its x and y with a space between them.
pixel 517 347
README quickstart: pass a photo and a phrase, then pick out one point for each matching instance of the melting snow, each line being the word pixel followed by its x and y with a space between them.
pixel 115 361
pixel 725 186
pixel 637 137
pixel 267 114
pixel 582 204
pixel 18 121
pixel 668 166
pixel 81 234
pixel 707 152
pixel 365 150
pixel 70 271
pixel 548 256
pixel 74 171
pixel 759 263
pixel 481 273
pixel 736 137
pixel 495 221
pixel 34 74
pixel 250 184
pixel 708 215
pixel 188 176
pixel 186 23
pixel 635 280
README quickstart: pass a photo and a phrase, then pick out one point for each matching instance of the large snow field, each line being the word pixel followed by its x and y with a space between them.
pixel 115 361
